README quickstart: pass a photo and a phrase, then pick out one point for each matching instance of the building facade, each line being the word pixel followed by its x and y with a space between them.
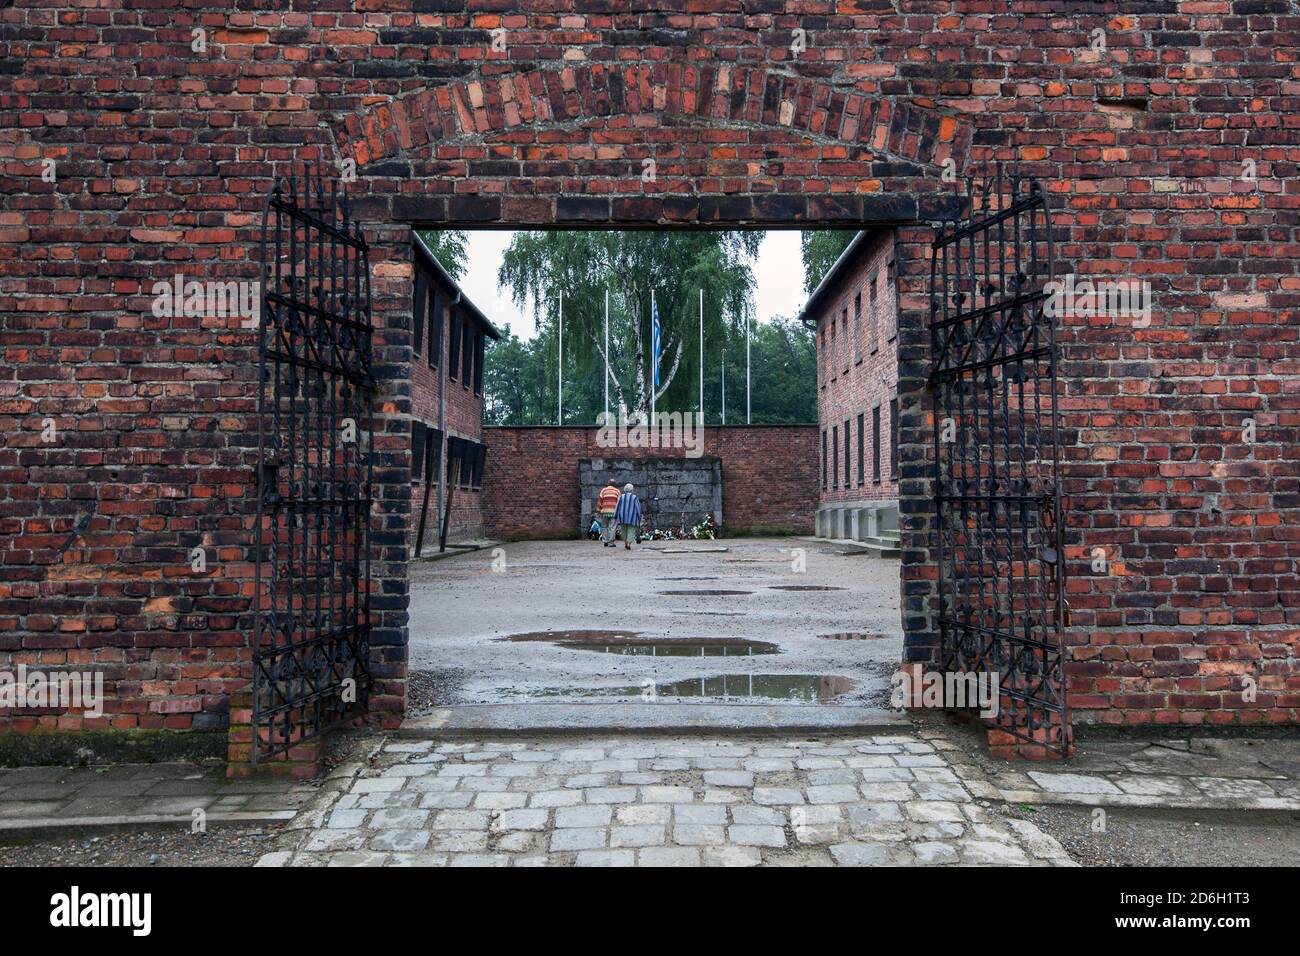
pixel 854 312
pixel 449 336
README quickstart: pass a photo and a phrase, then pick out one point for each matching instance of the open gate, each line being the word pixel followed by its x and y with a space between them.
pixel 311 652
pixel 993 383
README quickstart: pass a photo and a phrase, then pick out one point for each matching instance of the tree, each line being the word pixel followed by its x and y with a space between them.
pixel 449 247
pixel 631 265
pixel 820 250
pixel 783 376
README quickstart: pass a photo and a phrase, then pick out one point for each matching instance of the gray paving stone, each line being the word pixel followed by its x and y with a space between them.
pixel 639 835
pixel 668 856
pixel 749 835
pixel 699 814
pixel 606 858
pixel 699 835
pixel 583 816
pixel 861 854
pixel 529 819
pixel 578 838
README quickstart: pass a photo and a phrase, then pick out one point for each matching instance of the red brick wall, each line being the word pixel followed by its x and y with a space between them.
pixel 857 370
pixel 769 477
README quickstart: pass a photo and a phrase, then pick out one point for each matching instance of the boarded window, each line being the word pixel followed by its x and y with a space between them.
pixel 417 313
pixel 848 460
pixel 435 328
pixel 862 448
pixel 835 456
pixel 875 445
pixel 453 344
pixel 857 324
pixel 418 442
pixel 873 318
pixel 823 459
pixel 893 438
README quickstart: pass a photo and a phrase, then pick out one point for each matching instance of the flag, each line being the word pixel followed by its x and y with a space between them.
pixel 656 345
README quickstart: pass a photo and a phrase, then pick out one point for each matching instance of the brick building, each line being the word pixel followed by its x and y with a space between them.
pixel 1162 133
pixel 448 458
pixel 854 313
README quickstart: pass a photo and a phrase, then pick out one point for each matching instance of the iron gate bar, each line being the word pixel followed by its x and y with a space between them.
pixel 997 497
pixel 315 485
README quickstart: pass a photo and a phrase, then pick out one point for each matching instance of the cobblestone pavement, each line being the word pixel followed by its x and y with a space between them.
pixel 880 800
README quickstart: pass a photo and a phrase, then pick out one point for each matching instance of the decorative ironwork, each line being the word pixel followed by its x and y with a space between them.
pixel 311 654
pixel 993 383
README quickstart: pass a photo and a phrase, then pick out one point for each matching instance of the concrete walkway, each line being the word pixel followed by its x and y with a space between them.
pixel 826 619
pixel 623 801
pixel 47 797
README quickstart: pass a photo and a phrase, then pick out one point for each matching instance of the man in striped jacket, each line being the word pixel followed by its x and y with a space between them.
pixel 628 515
pixel 606 504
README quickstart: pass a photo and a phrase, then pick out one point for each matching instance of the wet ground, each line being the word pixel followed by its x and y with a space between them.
pixel 776 619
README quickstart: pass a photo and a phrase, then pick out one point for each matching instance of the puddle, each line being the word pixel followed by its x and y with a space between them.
pixel 803 587
pixel 852 636
pixel 801 688
pixel 678 648
pixel 713 593
pixel 628 643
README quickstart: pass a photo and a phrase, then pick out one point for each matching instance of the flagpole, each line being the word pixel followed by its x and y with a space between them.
pixel 559 365
pixel 701 356
pixel 724 386
pixel 747 421
pixel 607 355
pixel 654 355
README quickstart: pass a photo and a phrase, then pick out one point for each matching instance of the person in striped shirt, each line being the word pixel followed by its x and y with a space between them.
pixel 628 515
pixel 606 505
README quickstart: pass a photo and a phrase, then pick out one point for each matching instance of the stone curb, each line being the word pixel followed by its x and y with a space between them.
pixel 55 823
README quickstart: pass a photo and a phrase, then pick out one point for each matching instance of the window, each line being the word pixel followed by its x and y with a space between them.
pixel 844 334
pixel 480 344
pixel 453 344
pixel 893 438
pixel 848 461
pixel 466 354
pixel 830 356
pixel 435 328
pixel 417 309
pixel 835 456
pixel 862 446
pixel 891 285
pixel 875 445
pixel 823 482
pixel 873 319
pixel 857 324
pixel 479 462
pixel 418 443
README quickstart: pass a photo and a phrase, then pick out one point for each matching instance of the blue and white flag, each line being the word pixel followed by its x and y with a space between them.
pixel 656 345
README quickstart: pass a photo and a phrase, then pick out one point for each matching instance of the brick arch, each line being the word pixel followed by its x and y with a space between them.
pixel 911 131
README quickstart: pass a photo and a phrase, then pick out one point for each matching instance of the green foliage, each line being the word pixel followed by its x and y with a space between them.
pixel 449 247
pixel 820 250
pixel 629 266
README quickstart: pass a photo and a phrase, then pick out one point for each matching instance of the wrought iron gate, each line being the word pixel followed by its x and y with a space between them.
pixel 993 383
pixel 311 654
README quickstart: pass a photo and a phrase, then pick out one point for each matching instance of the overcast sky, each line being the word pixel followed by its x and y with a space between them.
pixel 779 271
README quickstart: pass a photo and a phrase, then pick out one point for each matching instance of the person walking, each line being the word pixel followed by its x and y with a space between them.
pixel 628 515
pixel 606 505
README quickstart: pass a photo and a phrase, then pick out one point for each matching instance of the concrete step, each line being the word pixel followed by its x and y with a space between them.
pixel 880 547
pixel 546 720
